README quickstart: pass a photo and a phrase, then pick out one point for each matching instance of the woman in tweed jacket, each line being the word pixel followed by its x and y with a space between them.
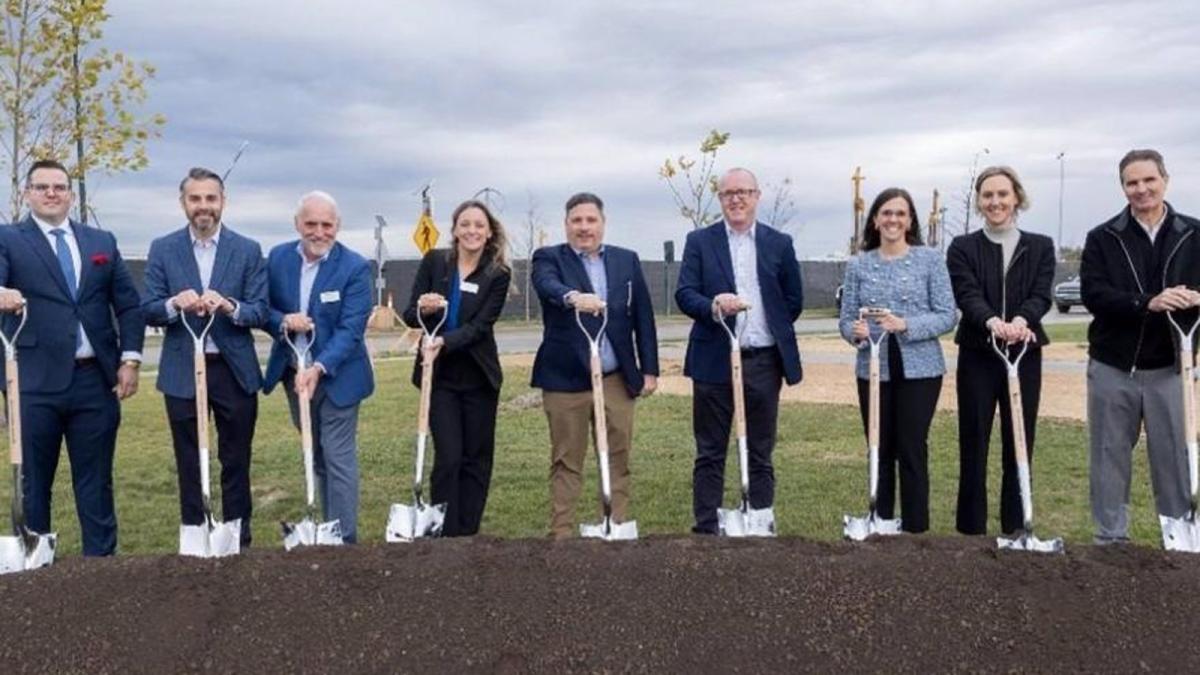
pixel 898 273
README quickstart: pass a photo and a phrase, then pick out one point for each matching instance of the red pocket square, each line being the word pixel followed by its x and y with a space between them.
pixel 99 259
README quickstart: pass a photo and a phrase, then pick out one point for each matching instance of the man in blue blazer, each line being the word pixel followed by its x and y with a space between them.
pixel 318 282
pixel 744 273
pixel 585 275
pixel 204 269
pixel 79 352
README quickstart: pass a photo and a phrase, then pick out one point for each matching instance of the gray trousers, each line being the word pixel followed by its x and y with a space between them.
pixel 1118 404
pixel 335 457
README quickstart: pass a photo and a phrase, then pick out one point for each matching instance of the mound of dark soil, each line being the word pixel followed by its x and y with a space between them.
pixel 657 605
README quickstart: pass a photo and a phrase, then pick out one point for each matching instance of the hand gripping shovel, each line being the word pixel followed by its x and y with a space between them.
pixel 1026 541
pixel 308 532
pixel 743 521
pixel 212 539
pixel 607 529
pixel 26 549
pixel 858 529
pixel 1183 534
pixel 407 523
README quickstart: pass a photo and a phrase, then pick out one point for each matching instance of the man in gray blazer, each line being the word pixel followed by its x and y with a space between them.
pixel 200 270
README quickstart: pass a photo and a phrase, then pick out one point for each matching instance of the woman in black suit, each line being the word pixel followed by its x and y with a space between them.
pixel 469 282
pixel 1001 276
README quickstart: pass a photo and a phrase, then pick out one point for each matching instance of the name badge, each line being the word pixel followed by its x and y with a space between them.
pixel 468 287
pixel 331 296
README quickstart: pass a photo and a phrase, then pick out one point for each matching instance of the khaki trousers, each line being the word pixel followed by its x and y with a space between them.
pixel 570 418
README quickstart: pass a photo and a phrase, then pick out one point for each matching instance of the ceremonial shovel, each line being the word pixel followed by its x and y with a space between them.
pixel 1183 534
pixel 607 529
pixel 858 529
pixel 743 521
pixel 1026 541
pixel 308 532
pixel 211 539
pixel 406 523
pixel 26 549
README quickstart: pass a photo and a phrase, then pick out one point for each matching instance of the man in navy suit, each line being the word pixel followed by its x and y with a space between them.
pixel 204 269
pixel 318 282
pixel 79 352
pixel 734 265
pixel 586 275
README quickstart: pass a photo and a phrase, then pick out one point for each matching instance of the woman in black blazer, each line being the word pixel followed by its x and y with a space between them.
pixel 1001 276
pixel 471 280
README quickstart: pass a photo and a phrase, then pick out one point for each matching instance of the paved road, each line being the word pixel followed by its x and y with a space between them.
pixel 518 338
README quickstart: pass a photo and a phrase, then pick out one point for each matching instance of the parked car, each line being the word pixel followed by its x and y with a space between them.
pixel 1066 294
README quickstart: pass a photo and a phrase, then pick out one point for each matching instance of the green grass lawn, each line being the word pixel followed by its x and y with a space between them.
pixel 820 470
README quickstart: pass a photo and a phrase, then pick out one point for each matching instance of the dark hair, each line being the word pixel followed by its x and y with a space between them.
pixel 871 233
pixel 496 248
pixel 1145 155
pixel 1009 173
pixel 580 198
pixel 46 164
pixel 200 173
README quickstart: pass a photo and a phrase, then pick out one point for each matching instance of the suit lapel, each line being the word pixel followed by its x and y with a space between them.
pixel 88 247
pixel 763 255
pixel 221 261
pixel 323 274
pixel 41 248
pixel 724 259
pixel 187 259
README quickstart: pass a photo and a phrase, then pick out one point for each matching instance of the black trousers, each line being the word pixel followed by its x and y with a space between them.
pixel 906 410
pixel 235 413
pixel 463 423
pixel 712 419
pixel 982 384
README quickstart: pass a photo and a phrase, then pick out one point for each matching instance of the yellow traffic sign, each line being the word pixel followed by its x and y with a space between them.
pixel 426 234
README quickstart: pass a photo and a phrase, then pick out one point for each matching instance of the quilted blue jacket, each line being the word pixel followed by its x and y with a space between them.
pixel 915 287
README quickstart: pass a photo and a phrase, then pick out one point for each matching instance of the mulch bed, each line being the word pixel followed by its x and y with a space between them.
pixel 661 604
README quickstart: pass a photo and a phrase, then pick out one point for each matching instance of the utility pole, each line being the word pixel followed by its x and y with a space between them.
pixel 380 253
pixel 1062 175
pixel 859 209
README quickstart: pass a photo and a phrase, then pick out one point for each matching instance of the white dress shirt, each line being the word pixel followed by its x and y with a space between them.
pixel 308 276
pixel 205 253
pixel 751 324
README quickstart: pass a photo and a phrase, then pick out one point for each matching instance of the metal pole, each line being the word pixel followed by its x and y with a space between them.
pixel 1062 174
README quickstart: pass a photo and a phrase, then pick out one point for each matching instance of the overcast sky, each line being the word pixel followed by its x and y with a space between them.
pixel 369 99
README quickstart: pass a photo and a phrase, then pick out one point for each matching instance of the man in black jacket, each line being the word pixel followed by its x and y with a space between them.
pixel 1137 267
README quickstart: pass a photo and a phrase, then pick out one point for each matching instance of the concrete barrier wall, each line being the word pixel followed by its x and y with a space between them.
pixel 821 279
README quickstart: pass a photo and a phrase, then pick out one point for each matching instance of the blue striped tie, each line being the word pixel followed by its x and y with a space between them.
pixel 65 261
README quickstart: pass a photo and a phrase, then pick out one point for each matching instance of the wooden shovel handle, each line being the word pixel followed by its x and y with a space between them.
pixel 1189 393
pixel 426 386
pixel 13 384
pixel 201 371
pixel 598 403
pixel 739 394
pixel 1018 419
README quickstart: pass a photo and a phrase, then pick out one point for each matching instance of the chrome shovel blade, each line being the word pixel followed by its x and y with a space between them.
pixel 406 523
pixel 1180 534
pixel 748 523
pixel 215 540
pixel 1028 542
pixel 16 556
pixel 610 530
pixel 858 529
pixel 310 533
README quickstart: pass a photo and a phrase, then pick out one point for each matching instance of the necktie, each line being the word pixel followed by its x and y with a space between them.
pixel 65 261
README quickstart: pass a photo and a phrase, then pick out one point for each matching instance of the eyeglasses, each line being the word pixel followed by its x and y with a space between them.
pixel 727 195
pixel 52 188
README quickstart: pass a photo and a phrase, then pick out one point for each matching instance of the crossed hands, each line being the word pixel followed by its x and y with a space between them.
pixel 429 303
pixel 1011 332
pixel 587 303
pixel 207 303
pixel 1174 298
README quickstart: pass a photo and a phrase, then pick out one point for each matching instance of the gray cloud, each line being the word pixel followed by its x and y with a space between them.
pixel 370 99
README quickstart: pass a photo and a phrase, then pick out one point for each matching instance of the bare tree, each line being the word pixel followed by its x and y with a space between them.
pixel 783 204
pixel 524 243
pixel 695 196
